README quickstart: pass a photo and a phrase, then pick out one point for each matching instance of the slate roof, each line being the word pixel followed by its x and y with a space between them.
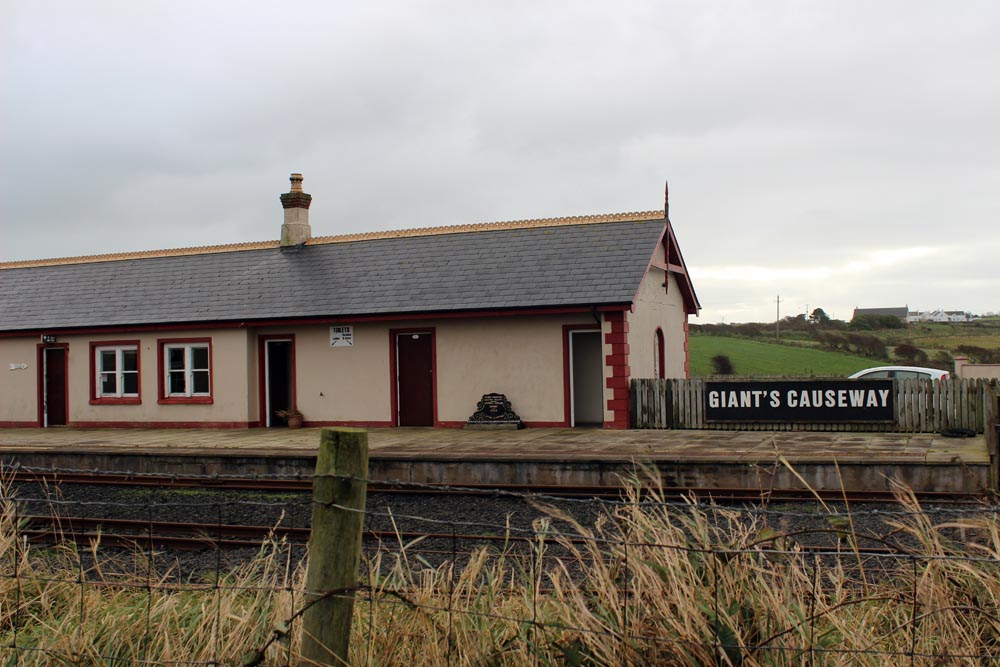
pixel 535 267
pixel 900 312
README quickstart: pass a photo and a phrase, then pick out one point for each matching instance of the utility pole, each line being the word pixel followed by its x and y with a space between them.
pixel 777 319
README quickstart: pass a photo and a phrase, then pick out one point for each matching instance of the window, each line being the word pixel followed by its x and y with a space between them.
pixel 659 355
pixel 186 371
pixel 114 372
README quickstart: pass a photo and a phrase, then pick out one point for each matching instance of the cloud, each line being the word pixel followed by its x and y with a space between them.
pixel 799 139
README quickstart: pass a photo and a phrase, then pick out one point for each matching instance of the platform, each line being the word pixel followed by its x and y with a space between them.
pixel 577 457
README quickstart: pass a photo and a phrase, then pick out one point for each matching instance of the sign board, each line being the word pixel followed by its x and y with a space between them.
pixel 342 336
pixel 800 402
pixel 494 411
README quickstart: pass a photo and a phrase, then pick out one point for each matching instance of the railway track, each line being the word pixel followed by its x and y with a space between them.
pixel 143 534
pixel 304 485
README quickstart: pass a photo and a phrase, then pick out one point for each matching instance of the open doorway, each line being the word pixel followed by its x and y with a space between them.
pixel 53 387
pixel 278 381
pixel 586 378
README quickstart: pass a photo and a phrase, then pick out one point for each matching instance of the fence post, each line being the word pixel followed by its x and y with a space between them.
pixel 339 489
pixel 991 418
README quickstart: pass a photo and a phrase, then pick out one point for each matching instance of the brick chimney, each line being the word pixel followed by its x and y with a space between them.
pixel 296 229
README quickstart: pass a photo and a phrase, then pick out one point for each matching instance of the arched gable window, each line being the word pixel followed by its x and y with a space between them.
pixel 659 357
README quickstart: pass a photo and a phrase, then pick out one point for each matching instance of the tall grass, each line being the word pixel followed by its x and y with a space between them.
pixel 646 585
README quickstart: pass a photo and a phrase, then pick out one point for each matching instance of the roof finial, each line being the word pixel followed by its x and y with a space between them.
pixel 666 199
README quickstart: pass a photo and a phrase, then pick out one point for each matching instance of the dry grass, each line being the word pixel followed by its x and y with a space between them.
pixel 647 586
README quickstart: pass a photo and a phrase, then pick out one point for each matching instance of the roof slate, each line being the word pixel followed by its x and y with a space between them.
pixel 570 265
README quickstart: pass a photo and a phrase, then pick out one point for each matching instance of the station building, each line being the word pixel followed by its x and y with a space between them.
pixel 382 329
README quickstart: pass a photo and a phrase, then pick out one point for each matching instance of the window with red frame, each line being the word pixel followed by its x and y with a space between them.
pixel 116 371
pixel 186 370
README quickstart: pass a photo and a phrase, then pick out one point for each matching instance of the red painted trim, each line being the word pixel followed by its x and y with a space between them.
pixel 567 390
pixel 393 380
pixel 673 262
pixel 262 374
pixel 41 347
pixel 165 425
pixel 110 400
pixel 161 381
pixel 106 400
pixel 29 424
pixel 619 327
pixel 353 424
pixel 187 400
pixel 340 319
pixel 618 372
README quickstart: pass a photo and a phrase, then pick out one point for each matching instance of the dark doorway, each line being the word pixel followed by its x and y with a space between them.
pixel 587 372
pixel 279 384
pixel 415 378
pixel 54 387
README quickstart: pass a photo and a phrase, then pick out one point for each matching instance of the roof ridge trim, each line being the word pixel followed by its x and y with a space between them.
pixel 636 216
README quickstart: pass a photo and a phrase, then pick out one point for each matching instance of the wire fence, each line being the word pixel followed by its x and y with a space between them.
pixel 481 577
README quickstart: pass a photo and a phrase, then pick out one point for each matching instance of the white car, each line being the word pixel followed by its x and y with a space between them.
pixel 900 373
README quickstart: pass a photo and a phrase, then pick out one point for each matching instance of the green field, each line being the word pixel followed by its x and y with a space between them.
pixel 751 357
pixel 799 352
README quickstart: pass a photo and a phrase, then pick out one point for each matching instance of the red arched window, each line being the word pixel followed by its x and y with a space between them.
pixel 659 357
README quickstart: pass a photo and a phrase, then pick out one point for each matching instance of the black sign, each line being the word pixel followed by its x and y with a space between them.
pixel 802 402
pixel 494 409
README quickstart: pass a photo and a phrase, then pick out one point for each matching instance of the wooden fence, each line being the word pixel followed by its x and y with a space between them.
pixel 922 406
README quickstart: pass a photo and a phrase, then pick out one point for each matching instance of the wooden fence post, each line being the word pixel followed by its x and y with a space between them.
pixel 339 489
pixel 991 400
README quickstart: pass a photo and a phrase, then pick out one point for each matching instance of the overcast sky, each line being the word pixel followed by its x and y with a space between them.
pixel 835 153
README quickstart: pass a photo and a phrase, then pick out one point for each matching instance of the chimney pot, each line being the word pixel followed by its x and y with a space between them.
pixel 296 229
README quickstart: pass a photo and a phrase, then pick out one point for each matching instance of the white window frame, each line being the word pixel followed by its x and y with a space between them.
pixel 189 370
pixel 119 371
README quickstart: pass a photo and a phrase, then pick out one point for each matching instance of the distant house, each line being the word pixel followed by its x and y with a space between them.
pixel 941 316
pixel 901 312
pixel 398 328
pixel 958 316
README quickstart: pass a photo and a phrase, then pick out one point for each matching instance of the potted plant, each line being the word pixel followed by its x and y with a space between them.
pixel 292 416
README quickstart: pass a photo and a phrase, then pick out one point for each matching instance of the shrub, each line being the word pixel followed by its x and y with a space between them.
pixel 722 364
pixel 910 353
pixel 876 322
pixel 980 355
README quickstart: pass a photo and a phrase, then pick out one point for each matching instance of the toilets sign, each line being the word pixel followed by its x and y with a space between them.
pixel 800 402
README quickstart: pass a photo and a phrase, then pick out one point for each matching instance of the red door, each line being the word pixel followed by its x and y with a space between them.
pixel 415 378
pixel 55 386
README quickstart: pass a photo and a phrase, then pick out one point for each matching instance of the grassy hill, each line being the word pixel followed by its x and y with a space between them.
pixel 751 357
pixel 801 353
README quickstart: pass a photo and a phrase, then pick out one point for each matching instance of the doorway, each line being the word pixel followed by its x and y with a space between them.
pixel 586 378
pixel 278 386
pixel 414 378
pixel 54 387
